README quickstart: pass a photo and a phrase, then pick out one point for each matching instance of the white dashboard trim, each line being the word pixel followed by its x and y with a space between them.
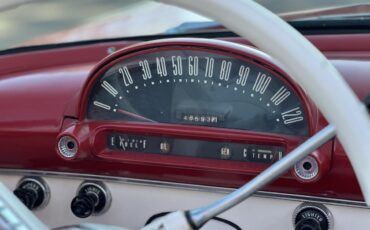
pixel 135 201
pixel 192 187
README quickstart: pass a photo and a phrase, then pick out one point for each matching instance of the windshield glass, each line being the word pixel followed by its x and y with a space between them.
pixel 37 22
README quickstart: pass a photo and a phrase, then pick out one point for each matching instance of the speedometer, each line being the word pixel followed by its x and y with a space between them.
pixel 201 86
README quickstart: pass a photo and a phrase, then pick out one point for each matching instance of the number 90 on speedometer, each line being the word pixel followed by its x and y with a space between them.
pixel 197 87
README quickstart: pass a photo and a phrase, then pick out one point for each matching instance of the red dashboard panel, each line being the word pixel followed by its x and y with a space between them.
pixel 41 92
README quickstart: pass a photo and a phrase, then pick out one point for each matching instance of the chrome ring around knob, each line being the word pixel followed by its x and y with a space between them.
pixel 99 194
pixel 39 186
pixel 317 207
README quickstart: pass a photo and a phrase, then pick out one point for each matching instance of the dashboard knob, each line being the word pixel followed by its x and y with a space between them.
pixel 308 224
pixel 310 216
pixel 92 198
pixel 33 192
pixel 27 196
pixel 83 205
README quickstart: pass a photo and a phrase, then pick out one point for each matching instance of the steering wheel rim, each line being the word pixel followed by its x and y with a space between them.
pixel 274 36
pixel 310 69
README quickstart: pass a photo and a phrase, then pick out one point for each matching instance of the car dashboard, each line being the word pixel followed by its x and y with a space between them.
pixel 175 119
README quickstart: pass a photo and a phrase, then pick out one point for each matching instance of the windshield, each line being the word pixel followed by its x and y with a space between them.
pixel 37 22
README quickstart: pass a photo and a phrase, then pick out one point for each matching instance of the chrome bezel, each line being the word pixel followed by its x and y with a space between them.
pixel 305 174
pixel 63 148
pixel 319 207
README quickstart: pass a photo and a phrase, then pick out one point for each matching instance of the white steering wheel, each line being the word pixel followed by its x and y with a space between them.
pixel 313 72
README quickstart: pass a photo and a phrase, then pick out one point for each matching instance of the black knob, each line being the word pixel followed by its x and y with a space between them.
pixel 83 205
pixel 27 196
pixel 308 224
pixel 92 198
pixel 312 217
pixel 33 192
pixel 367 101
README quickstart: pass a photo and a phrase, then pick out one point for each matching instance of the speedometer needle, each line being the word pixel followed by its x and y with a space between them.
pixel 133 115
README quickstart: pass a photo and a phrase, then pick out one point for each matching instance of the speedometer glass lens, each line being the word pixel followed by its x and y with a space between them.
pixel 201 88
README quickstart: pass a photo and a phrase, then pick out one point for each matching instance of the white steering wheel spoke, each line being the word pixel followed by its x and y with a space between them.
pixel 306 65
pixel 198 217
pixel 202 215
pixel 314 73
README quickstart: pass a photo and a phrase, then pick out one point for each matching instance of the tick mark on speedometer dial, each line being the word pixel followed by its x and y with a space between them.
pixel 198 88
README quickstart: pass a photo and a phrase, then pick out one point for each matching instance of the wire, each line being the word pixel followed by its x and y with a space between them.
pixel 219 219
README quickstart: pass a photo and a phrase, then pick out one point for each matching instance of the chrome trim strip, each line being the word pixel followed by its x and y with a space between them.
pixel 192 187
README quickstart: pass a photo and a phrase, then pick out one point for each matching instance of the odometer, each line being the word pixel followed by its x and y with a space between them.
pixel 202 87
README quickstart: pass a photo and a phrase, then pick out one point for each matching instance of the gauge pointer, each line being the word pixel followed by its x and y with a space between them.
pixel 133 115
